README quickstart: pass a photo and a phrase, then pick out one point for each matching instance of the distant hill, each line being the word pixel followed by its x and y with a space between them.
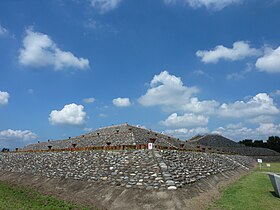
pixel 213 140
pixel 226 145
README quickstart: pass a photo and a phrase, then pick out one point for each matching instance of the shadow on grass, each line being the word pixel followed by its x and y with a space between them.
pixel 274 194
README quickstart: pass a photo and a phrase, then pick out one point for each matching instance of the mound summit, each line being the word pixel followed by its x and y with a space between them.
pixel 117 135
pixel 214 140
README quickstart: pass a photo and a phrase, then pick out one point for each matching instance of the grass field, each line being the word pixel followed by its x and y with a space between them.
pixel 254 191
pixel 15 197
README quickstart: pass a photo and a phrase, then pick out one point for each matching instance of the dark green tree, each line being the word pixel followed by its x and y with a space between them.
pixel 247 142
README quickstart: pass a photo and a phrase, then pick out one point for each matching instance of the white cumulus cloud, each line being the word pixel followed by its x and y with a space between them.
pixel 275 93
pixel 88 129
pixel 209 4
pixel 4 98
pixel 196 106
pixel 269 129
pixel 236 133
pixel 105 5
pixel 185 133
pixel 186 120
pixel 88 100
pixel 239 132
pixel 10 134
pixel 40 51
pixel 270 62
pixel 239 51
pixel 121 102
pixel 167 90
pixel 3 31
pixel 261 104
pixel 242 74
pixel 261 119
pixel 71 114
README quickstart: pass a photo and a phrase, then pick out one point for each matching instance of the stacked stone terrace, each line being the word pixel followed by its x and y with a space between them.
pixel 141 169
pixel 222 144
pixel 114 136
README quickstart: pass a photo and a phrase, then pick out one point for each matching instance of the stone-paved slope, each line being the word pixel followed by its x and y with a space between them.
pixel 143 169
pixel 214 141
pixel 226 145
pixel 114 136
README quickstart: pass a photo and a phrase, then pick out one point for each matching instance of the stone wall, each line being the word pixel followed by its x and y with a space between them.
pixel 144 169
pixel 250 151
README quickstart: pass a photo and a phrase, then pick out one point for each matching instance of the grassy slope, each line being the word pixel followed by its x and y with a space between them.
pixel 251 192
pixel 15 197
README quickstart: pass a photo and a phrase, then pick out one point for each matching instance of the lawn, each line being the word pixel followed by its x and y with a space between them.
pixel 16 197
pixel 253 191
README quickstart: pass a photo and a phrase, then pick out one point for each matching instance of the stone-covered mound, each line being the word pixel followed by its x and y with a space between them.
pixel 214 140
pixel 126 179
pixel 142 169
pixel 117 135
pixel 225 145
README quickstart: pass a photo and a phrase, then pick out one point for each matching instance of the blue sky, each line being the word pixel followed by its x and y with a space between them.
pixel 183 67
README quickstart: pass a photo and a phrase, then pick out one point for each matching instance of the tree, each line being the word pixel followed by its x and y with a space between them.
pixel 258 143
pixel 273 142
pixel 247 142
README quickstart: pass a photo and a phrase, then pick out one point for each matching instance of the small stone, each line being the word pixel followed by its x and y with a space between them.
pixel 166 175
pixel 126 162
pixel 149 188
pixel 163 166
pixel 170 182
pixel 193 180
pixel 104 178
pixel 172 188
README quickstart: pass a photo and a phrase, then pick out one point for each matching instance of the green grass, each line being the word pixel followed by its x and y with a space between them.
pixel 16 197
pixel 253 191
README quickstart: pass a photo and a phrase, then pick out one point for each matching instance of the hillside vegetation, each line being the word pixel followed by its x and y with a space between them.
pixel 254 191
pixel 18 197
